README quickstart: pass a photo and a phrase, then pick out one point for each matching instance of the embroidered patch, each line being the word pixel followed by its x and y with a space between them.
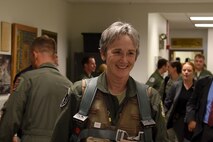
pixel 152 79
pixel 64 101
pixel 16 84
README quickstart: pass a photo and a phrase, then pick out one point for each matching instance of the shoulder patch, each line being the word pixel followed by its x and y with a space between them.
pixel 65 99
pixel 17 83
pixel 152 79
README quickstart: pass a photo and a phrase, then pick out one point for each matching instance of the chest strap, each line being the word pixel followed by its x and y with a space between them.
pixel 145 111
pixel 143 101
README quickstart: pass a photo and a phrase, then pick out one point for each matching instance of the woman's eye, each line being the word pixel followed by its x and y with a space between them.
pixel 132 53
pixel 117 52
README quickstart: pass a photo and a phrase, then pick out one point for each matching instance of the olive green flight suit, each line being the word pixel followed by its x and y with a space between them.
pixel 202 74
pixel 155 80
pixel 63 131
pixel 34 105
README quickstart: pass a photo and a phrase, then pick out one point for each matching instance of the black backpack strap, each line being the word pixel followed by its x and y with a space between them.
pixel 87 100
pixel 145 111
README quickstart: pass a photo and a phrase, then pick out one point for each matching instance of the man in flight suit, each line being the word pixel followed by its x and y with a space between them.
pixel 34 104
pixel 156 79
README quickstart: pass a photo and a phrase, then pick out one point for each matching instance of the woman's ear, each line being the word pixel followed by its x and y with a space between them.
pixel 103 57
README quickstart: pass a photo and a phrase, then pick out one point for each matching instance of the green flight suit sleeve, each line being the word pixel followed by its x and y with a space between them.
pixel 151 81
pixel 13 110
pixel 63 130
pixel 160 130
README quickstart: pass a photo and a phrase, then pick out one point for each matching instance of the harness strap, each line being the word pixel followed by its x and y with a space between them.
pixel 145 111
pixel 88 97
pixel 97 133
pixel 144 108
pixel 111 135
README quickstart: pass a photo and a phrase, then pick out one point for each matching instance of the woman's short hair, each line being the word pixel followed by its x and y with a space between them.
pixel 116 30
pixel 177 65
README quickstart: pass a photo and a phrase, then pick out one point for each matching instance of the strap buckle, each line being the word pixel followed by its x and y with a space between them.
pixel 80 119
pixel 148 123
pixel 123 135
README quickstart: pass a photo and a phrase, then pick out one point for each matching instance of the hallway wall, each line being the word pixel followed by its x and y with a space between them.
pixel 96 17
pixel 50 15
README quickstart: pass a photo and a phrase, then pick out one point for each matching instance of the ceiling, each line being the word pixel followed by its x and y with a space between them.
pixel 176 20
pixel 182 20
pixel 145 1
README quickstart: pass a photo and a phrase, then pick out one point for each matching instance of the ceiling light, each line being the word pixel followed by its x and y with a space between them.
pixel 203 25
pixel 202 18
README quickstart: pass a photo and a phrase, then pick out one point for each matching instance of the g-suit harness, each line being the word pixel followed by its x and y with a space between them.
pixel 144 109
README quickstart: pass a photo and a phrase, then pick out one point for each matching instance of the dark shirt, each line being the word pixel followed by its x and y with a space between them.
pixel 183 99
pixel 29 68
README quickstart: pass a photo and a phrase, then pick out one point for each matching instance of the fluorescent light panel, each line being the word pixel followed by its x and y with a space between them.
pixel 203 25
pixel 201 18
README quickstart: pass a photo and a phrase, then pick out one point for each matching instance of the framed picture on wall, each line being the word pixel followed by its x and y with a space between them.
pixel 5 76
pixel 51 34
pixel 22 38
pixel 5 44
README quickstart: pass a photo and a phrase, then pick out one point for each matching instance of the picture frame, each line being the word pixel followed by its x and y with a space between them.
pixel 50 34
pixel 5 74
pixel 22 38
pixel 182 43
pixel 5 44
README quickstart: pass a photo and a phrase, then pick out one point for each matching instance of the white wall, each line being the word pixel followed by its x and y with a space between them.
pixel 156 26
pixel 44 14
pixel 210 50
pixel 96 17
pixel 201 33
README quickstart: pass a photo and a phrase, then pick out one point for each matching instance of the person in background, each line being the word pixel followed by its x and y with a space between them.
pixel 200 71
pixel 114 111
pixel 89 67
pixel 34 103
pixel 199 114
pixel 30 67
pixel 102 68
pixel 156 79
pixel 174 74
pixel 176 101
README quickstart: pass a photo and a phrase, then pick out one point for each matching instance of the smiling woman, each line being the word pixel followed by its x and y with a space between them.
pixel 109 106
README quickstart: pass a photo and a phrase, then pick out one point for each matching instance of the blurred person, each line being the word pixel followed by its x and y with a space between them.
pixel 34 104
pixel 156 79
pixel 174 74
pixel 199 114
pixel 31 67
pixel 102 68
pixel 176 101
pixel 114 113
pixel 200 71
pixel 89 67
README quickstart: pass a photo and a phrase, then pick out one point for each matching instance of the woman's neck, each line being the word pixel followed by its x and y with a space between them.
pixel 188 83
pixel 175 77
pixel 116 85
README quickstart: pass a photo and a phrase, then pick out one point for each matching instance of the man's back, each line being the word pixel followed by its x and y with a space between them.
pixel 35 104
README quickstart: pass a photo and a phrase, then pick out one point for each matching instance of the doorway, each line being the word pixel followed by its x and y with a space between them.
pixel 183 55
